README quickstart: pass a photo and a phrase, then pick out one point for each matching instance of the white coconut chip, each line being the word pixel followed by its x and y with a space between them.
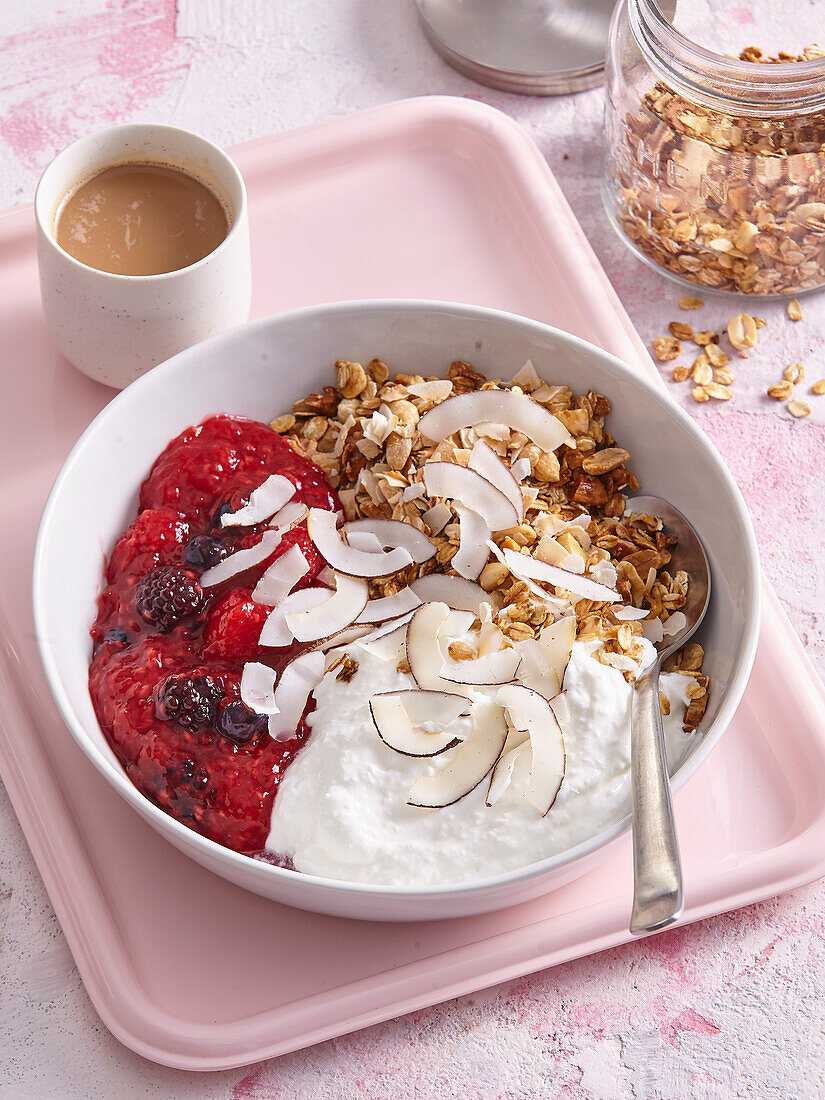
pixel 620 661
pixel 555 603
pixel 521 469
pixel 456 592
pixel 387 642
pixel 528 568
pixel 527 710
pixel 437 390
pixel 652 630
pixel 292 513
pixel 629 613
pixel 342 608
pixel 516 410
pixel 344 558
pixel 263 502
pixel 472 553
pixel 364 540
pixel 605 573
pixel 573 564
pixel 526 377
pixel 258 687
pixel 389 607
pixel 275 632
pixel 437 517
pixel 495 668
pixel 397 716
pixel 485 461
pixel 448 479
pixel 503 772
pixel 300 677
pixel 281 577
pixel 674 624
pixel 392 533
pixel 241 560
pixel 413 492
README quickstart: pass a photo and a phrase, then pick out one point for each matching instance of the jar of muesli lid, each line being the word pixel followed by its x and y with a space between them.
pixel 715 168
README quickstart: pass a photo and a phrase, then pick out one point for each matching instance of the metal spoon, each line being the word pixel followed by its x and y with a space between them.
pixel 657 873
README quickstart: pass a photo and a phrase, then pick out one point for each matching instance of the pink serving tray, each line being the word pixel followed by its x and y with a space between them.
pixel 436 198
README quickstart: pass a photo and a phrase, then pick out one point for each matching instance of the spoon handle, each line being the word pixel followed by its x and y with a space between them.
pixel 657 873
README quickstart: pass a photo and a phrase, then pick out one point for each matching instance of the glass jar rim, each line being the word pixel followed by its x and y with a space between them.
pixel 722 83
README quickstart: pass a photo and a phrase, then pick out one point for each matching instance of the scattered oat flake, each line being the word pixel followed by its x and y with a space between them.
pixel 717 392
pixel 760 322
pixel 688 302
pixel 680 330
pixel 818 387
pixel 704 338
pixel 779 391
pixel 793 373
pixel 799 408
pixel 742 331
pixel 794 311
pixel 666 348
pixel 702 371
pixel 680 373
pixel 700 394
pixel 724 376
pixel 716 355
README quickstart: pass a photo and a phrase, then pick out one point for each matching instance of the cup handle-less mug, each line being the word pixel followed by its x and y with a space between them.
pixel 116 327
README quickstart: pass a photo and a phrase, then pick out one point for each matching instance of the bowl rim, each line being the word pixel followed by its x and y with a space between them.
pixel 247 866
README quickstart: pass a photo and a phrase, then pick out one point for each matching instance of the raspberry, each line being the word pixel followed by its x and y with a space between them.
pixel 234 627
pixel 167 595
pixel 191 701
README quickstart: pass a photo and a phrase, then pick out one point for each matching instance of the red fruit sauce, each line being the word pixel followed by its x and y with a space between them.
pixel 219 788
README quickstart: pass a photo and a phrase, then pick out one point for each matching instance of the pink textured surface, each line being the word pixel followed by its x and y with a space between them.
pixel 731 1007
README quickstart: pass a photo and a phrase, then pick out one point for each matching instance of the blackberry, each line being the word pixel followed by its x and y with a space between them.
pixel 168 594
pixel 240 724
pixel 204 551
pixel 191 701
pixel 223 509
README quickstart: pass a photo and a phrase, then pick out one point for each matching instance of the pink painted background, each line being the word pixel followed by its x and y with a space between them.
pixel 728 1008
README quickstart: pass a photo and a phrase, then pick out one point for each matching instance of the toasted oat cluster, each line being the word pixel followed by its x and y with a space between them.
pixel 727 202
pixel 363 432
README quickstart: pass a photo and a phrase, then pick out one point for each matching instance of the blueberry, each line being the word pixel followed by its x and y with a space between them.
pixel 117 637
pixel 240 724
pixel 204 551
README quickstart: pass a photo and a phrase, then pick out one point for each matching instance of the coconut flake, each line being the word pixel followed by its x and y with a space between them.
pixel 344 558
pixel 281 577
pixel 572 563
pixel 605 573
pixel 365 540
pixel 289 516
pixel 448 479
pixel 456 592
pixel 387 641
pixel 258 687
pixel 521 469
pixel 652 630
pixel 553 602
pixel 527 710
pixel 495 668
pixel 263 502
pixel 241 560
pixel 485 461
pixel 470 762
pixel 528 568
pixel 472 553
pixel 437 390
pixel 516 410
pixel 401 730
pixel 437 517
pixel 275 632
pixel 629 613
pixel 301 676
pixel 676 622
pixel 342 608
pixel 389 607
pixel 393 533
pixel 413 492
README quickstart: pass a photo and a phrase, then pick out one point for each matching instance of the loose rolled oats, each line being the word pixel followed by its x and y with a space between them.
pixel 702 371
pixel 705 338
pixel 680 330
pixel 818 387
pixel 680 373
pixel 799 408
pixel 700 394
pixel 718 392
pixel 688 302
pixel 716 355
pixel 794 308
pixel 666 348
pixel 724 376
pixel 742 331
pixel 780 391
pixel 793 373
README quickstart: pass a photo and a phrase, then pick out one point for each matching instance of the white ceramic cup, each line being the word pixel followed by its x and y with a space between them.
pixel 116 327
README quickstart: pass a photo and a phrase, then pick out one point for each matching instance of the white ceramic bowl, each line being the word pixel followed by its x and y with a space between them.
pixel 258 371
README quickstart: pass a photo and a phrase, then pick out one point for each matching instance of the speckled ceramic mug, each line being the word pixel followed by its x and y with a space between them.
pixel 116 327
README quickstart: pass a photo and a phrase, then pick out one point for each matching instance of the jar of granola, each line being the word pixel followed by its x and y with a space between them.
pixel 716 164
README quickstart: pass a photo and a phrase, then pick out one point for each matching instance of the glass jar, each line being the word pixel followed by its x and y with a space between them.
pixel 715 166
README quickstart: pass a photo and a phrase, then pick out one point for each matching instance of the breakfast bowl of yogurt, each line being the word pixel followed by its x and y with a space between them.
pixel 354 616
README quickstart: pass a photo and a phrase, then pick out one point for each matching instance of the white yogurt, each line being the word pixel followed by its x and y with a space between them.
pixel 341 810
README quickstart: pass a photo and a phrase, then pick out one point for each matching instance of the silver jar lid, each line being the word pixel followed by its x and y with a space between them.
pixel 532 47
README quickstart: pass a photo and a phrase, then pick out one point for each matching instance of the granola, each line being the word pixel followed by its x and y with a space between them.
pixel 363 432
